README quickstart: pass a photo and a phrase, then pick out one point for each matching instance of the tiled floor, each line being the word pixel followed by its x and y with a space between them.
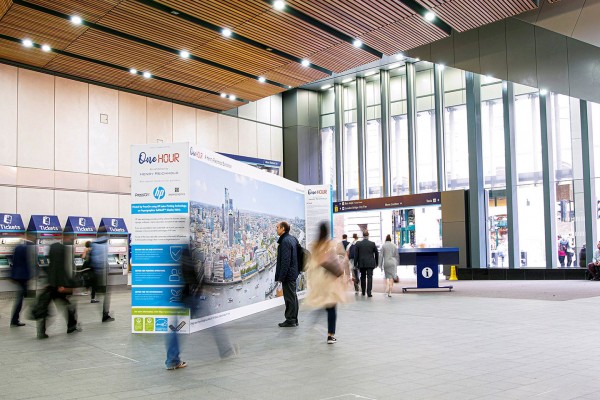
pixel 411 346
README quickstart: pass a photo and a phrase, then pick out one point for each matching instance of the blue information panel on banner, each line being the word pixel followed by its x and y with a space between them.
pixel 156 275
pixel 156 296
pixel 156 253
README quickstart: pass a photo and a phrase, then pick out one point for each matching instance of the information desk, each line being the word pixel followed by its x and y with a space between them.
pixel 427 261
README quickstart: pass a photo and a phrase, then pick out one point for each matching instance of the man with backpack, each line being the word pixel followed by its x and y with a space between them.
pixel 563 248
pixel 353 264
pixel 286 272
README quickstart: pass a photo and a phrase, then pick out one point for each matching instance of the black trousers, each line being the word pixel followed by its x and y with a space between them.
pixel 60 299
pixel 291 301
pixel 366 280
pixel 19 302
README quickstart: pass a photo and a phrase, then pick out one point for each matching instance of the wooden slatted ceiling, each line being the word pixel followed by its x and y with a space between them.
pixel 21 22
pixel 4 6
pixel 15 52
pixel 164 89
pixel 89 70
pixel 218 103
pixel 399 36
pixel 344 56
pixel 196 74
pixel 294 72
pixel 463 15
pixel 89 10
pixel 355 18
pixel 252 90
pixel 224 13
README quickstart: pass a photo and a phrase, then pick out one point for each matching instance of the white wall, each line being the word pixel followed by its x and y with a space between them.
pixel 66 144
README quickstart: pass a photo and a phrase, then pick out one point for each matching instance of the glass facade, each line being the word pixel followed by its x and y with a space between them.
pixel 564 148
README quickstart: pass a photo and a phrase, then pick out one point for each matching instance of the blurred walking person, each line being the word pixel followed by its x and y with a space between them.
pixel 389 261
pixel 327 274
pixel 353 263
pixel 20 274
pixel 99 266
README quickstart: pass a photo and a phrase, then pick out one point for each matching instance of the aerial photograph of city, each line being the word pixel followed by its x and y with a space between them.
pixel 233 239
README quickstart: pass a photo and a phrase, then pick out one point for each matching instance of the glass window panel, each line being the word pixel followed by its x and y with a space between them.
pixel 456 145
pixel 565 221
pixel 399 155
pixel 350 162
pixel 350 96
pixel 373 161
pixel 492 130
pixel 328 157
pixel 398 87
pixel 426 152
pixel 528 145
pixel 373 92
pixel 531 225
pixel 328 101
pixel 594 118
pixel 560 127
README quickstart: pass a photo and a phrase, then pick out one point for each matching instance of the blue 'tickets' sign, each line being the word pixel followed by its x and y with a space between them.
pixel 114 225
pixel 44 224
pixel 11 223
pixel 80 225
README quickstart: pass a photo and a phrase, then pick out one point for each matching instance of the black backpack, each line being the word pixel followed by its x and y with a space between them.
pixel 301 255
pixel 352 251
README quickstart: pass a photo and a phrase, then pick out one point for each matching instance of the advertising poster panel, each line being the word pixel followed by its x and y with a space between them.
pixel 318 209
pixel 160 215
pixel 270 166
pixel 234 209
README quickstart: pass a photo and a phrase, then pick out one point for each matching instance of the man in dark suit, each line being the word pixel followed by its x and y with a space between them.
pixel 367 258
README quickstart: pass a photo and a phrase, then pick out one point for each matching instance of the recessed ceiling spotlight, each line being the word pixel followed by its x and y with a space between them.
pixel 184 54
pixel 223 95
pixel 370 73
pixel 279 5
pixel 226 32
pixel 147 75
pixel 289 87
pixel 76 19
pixel 441 67
pixel 262 79
pixel 429 16
pixel 357 43
pixel 27 43
pixel 133 71
pixel 231 97
pixel 174 12
pixel 543 92
pixel 417 59
pixel 305 63
pixel 325 87
pixel 347 80
pixel 46 48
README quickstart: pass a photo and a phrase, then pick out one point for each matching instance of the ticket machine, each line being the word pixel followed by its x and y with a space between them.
pixel 45 230
pixel 78 231
pixel 12 232
pixel 118 249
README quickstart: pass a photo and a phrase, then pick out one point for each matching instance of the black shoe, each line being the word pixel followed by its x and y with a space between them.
pixel 363 294
pixel 107 318
pixel 94 301
pixel 369 295
pixel 72 329
pixel 287 324
pixel 42 336
pixel 17 324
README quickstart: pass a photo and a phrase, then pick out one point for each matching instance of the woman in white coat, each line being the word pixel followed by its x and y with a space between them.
pixel 388 261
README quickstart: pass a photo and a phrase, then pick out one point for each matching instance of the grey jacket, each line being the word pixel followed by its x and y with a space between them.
pixel 389 256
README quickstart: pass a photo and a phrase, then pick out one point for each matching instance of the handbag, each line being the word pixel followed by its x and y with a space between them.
pixel 332 264
pixel 396 279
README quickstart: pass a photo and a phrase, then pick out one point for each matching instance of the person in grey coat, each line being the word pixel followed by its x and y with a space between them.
pixel 388 261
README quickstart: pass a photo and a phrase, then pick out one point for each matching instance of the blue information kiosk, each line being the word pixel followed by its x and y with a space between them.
pixel 427 261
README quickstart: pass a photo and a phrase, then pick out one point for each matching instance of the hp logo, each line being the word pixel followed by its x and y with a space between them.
pixel 158 192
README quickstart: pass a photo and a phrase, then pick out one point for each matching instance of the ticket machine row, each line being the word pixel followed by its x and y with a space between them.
pixel 45 230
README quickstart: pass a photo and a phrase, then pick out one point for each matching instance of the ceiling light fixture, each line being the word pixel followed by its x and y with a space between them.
pixel 46 48
pixel 76 19
pixel 370 73
pixel 231 97
pixel 147 75
pixel 357 43
pixel 133 71
pixel 543 92
pixel 305 63
pixel 279 5
pixel 226 32
pixel 441 67
pixel 417 59
pixel 429 16
pixel 289 87
pixel 262 79
pixel 223 95
pixel 184 54
pixel 27 43
pixel 347 80
pixel 325 87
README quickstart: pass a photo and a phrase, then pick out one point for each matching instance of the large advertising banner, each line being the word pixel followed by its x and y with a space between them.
pixel 160 214
pixel 234 210
pixel 318 209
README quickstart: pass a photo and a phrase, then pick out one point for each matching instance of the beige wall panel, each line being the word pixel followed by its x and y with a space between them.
pixel 277 145
pixel 228 134
pixel 8 200
pixel 35 177
pixel 247 140
pixel 125 210
pixel 71 125
pixel 160 121
pixel 70 180
pixel 184 124
pixel 35 114
pixel 8 114
pixel 104 183
pixel 70 203
pixel 248 111
pixel 276 110
pixel 263 110
pixel 34 202
pixel 263 141
pixel 8 175
pixel 132 128
pixel 207 130
pixel 104 137
pixel 103 205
